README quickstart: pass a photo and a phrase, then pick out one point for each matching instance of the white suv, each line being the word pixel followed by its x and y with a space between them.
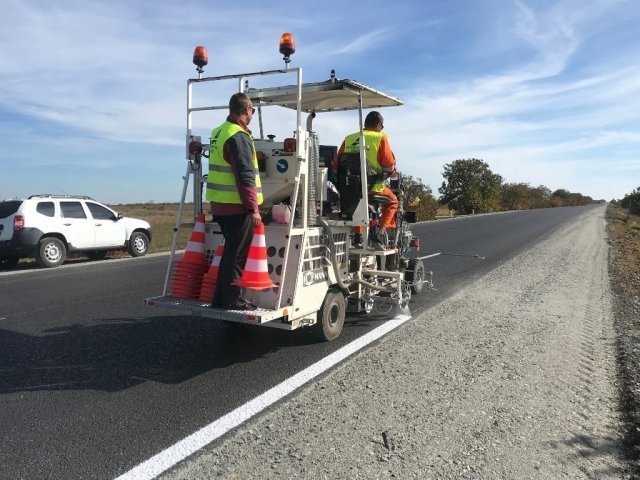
pixel 49 227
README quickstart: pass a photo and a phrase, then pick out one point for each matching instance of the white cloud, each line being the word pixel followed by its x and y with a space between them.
pixel 532 102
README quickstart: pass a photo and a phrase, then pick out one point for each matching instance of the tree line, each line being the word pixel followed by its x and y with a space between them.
pixel 630 201
pixel 470 186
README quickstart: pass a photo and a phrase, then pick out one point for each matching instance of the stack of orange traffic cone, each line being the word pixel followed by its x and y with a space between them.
pixel 255 275
pixel 211 277
pixel 193 264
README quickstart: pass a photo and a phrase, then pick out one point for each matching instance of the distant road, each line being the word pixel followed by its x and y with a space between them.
pixel 92 382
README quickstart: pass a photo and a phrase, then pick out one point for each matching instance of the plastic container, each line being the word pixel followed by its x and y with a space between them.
pixel 281 213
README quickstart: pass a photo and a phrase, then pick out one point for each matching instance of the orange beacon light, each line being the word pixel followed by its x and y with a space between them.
pixel 287 46
pixel 200 58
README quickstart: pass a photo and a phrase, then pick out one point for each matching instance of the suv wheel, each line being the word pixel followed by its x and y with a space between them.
pixel 51 252
pixel 138 244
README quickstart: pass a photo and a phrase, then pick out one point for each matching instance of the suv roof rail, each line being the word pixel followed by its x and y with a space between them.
pixel 55 195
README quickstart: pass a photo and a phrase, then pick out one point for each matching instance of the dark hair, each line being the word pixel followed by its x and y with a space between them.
pixel 238 103
pixel 373 119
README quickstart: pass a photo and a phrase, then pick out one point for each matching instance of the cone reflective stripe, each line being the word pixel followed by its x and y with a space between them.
pixel 194 252
pixel 211 277
pixel 256 271
pixel 192 265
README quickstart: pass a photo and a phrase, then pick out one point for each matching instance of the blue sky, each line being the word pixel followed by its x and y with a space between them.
pixel 93 93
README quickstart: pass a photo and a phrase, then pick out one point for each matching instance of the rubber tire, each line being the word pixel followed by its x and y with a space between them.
pixel 138 244
pixel 97 255
pixel 415 272
pixel 51 252
pixel 8 263
pixel 330 319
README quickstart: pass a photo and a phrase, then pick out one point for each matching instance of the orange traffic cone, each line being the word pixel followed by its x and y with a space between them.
pixel 193 264
pixel 211 277
pixel 255 275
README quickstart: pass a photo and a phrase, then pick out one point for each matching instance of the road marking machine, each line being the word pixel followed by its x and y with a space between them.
pixel 312 261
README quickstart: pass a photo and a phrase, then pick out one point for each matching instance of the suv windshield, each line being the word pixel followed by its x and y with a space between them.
pixel 9 207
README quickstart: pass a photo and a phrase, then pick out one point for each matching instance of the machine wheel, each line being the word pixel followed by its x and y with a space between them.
pixel 415 275
pixel 51 252
pixel 331 316
pixel 8 263
pixel 138 244
pixel 97 254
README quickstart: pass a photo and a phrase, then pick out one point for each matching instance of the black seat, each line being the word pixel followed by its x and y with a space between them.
pixel 349 184
pixel 378 199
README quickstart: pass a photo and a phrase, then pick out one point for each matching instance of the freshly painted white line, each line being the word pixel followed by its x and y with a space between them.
pixel 87 263
pixel 166 459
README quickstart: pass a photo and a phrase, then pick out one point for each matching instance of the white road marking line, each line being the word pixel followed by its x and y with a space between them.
pixel 81 264
pixel 171 456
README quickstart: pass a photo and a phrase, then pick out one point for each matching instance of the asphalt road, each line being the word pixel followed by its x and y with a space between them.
pixel 92 382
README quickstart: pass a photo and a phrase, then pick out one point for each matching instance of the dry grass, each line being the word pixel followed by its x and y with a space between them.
pixel 624 237
pixel 443 211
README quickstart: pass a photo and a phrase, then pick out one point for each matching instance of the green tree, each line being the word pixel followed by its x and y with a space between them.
pixel 470 186
pixel 540 197
pixel 565 198
pixel 560 198
pixel 516 196
pixel 520 196
pixel 632 201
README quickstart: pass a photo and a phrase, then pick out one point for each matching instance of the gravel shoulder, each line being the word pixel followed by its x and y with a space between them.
pixel 511 377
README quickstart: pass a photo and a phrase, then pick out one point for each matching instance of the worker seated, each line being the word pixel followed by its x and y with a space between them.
pixel 380 163
pixel 379 195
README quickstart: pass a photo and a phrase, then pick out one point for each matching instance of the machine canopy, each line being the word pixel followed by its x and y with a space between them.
pixel 328 96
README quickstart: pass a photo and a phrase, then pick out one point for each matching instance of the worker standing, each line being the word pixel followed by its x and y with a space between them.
pixel 234 193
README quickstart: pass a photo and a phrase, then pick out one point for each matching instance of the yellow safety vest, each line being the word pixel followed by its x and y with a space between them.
pixel 371 146
pixel 221 182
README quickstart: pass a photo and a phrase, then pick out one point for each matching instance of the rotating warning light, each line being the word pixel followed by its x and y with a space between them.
pixel 195 147
pixel 287 46
pixel 200 58
pixel 290 145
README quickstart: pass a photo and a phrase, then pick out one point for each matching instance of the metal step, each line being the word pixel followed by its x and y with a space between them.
pixel 203 309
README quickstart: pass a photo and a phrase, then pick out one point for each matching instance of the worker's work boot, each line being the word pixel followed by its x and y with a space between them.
pixel 381 241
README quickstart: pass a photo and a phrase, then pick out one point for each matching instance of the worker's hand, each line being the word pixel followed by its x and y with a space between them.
pixel 257 219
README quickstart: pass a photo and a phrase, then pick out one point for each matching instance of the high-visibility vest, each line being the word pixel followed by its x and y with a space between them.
pixel 221 182
pixel 371 146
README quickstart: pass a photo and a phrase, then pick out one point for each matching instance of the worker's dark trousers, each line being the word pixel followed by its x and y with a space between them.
pixel 237 231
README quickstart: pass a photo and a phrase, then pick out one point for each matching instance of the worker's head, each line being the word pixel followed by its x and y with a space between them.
pixel 374 121
pixel 242 106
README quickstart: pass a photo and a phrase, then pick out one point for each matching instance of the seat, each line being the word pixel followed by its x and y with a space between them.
pixel 378 200
pixel 349 184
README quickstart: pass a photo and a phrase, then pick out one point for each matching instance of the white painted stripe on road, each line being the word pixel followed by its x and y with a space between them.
pixel 86 263
pixel 166 459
